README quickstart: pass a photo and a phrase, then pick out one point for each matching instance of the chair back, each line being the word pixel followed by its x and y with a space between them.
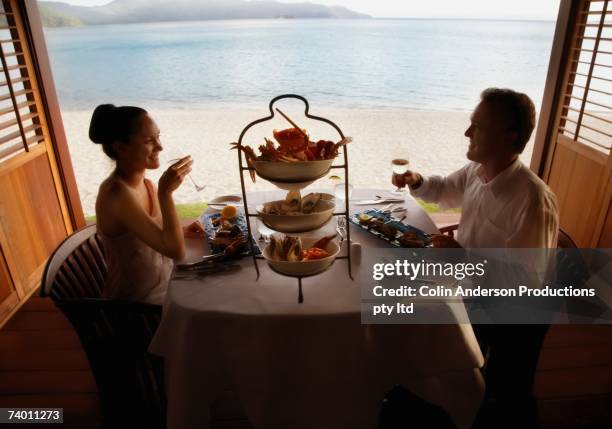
pixel 115 334
pixel 565 241
pixel 76 269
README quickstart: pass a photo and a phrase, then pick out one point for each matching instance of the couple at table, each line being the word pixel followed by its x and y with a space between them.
pixel 503 205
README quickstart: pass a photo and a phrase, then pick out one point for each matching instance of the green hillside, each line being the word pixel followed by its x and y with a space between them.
pixel 53 18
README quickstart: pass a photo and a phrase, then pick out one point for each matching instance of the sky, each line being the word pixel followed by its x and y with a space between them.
pixel 481 9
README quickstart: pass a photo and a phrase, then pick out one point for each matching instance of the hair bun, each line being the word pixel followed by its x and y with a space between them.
pixel 100 128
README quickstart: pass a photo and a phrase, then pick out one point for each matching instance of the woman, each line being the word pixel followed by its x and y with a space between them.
pixel 138 224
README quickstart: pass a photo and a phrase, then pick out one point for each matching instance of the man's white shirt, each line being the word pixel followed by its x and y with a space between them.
pixel 515 209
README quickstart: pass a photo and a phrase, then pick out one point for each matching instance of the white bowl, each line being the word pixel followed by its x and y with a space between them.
pixel 304 268
pixel 299 222
pixel 292 172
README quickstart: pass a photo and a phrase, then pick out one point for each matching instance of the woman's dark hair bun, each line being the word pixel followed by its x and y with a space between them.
pixel 101 124
pixel 110 124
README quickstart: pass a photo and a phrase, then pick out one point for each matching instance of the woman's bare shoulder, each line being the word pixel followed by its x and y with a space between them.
pixel 113 189
pixel 114 197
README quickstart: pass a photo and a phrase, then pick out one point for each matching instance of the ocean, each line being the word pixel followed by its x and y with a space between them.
pixel 417 64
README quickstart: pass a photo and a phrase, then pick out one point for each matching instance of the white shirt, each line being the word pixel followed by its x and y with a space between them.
pixel 515 209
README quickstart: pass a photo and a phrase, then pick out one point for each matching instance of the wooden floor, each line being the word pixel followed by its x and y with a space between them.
pixel 42 364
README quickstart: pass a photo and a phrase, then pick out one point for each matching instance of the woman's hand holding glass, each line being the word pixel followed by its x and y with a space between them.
pixel 172 178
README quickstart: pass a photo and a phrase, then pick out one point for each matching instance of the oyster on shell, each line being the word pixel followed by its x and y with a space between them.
pixel 294 254
pixel 276 248
pixel 286 249
pixel 310 201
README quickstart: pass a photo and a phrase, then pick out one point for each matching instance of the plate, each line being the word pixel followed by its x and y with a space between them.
pixel 304 268
pixel 211 230
pixel 401 227
pixel 224 200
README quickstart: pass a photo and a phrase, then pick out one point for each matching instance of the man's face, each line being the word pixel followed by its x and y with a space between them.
pixel 488 134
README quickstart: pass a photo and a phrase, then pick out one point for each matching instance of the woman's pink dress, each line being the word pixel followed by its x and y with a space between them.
pixel 136 271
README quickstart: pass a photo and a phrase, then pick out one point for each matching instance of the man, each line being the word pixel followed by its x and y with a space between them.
pixel 503 205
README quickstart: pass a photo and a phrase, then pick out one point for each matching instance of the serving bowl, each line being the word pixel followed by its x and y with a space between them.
pixel 304 268
pixel 299 222
pixel 292 172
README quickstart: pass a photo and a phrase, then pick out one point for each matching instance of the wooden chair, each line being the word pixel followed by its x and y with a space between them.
pixel 531 340
pixel 115 334
pixel 564 241
pixel 449 230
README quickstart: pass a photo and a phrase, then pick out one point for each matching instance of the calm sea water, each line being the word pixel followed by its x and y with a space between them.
pixel 418 64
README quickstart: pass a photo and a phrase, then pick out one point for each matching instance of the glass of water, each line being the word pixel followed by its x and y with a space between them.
pixel 339 191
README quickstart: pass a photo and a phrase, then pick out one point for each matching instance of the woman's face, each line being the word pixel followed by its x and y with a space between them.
pixel 142 151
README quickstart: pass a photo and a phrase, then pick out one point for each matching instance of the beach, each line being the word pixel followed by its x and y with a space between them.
pixel 432 141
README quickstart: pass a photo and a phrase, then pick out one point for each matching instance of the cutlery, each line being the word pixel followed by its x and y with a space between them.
pixel 204 261
pixel 379 201
pixel 222 204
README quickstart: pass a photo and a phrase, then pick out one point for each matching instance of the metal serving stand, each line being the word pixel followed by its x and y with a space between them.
pixel 343 166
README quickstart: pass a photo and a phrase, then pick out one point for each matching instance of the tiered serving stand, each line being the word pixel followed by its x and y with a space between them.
pixel 343 166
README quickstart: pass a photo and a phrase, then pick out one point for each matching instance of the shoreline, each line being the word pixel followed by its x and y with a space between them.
pixel 433 141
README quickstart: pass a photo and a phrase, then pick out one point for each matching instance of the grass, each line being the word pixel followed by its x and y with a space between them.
pixel 185 211
pixel 434 208
pixel 192 211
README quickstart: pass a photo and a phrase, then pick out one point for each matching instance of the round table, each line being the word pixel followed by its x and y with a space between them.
pixel 309 365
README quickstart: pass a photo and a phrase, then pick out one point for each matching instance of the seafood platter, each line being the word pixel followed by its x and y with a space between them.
pixel 383 225
pixel 226 233
pixel 292 161
pixel 301 256
pixel 296 213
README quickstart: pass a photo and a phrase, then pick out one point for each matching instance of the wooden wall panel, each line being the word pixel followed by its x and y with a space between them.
pixel 6 284
pixel 31 218
pixel 606 234
pixel 578 177
pixel 605 238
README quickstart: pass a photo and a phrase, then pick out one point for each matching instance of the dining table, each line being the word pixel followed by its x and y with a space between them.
pixel 312 364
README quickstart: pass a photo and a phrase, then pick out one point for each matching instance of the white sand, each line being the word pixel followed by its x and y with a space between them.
pixel 433 141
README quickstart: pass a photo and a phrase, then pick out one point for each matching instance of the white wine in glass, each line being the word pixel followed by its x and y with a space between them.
pixel 400 166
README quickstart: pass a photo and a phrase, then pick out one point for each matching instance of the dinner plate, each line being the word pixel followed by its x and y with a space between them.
pixel 207 220
pixel 400 226
pixel 224 200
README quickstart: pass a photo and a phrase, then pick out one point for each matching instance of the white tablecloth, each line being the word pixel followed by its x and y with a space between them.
pixel 310 365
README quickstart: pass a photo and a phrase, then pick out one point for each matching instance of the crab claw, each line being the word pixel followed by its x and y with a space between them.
pixel 322 243
pixel 249 155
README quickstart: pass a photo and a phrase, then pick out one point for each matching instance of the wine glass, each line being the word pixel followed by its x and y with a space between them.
pixel 173 155
pixel 400 166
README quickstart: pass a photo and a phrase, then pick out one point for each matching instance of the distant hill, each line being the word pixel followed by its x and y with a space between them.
pixel 133 11
pixel 53 18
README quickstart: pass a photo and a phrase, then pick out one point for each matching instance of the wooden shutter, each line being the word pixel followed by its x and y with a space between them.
pixel 34 214
pixel 587 109
pixel 574 139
